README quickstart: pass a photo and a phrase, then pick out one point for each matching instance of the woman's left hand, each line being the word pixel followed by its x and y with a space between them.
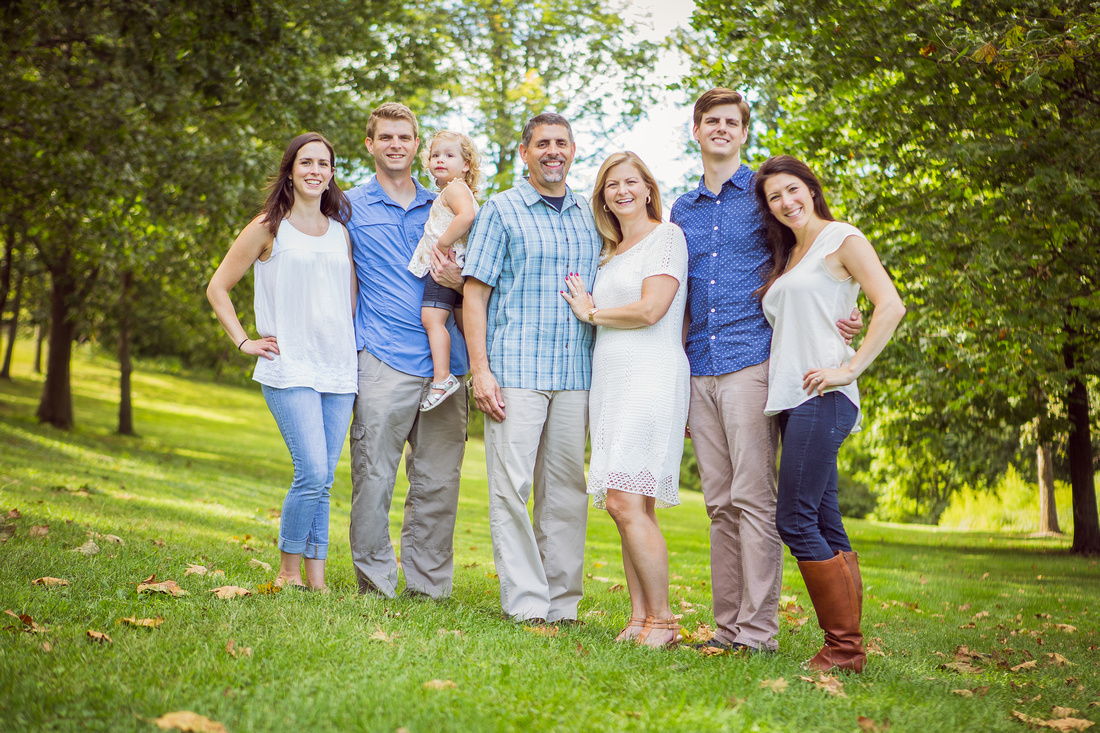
pixel 821 379
pixel 579 299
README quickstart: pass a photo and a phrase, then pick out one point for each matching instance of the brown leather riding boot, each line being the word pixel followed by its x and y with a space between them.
pixel 835 593
pixel 852 558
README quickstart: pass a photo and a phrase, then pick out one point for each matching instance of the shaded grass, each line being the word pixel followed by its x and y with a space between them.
pixel 210 469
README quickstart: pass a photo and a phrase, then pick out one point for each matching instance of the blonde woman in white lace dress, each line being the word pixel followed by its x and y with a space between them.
pixel 638 402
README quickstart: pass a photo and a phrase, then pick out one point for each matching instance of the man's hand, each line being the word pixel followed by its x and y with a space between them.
pixel 445 271
pixel 487 395
pixel 851 326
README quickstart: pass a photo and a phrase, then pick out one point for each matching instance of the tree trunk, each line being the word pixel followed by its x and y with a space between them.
pixel 125 406
pixel 56 406
pixel 1048 511
pixel 13 324
pixel 39 332
pixel 1086 523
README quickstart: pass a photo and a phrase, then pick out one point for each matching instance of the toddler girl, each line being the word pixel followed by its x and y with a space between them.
pixel 454 162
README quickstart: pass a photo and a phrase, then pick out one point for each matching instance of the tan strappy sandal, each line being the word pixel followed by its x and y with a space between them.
pixel 635 623
pixel 666 623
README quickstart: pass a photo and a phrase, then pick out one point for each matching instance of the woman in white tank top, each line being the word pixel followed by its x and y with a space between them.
pixel 819 266
pixel 307 368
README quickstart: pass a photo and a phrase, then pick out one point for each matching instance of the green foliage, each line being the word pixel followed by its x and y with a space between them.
pixel 1010 506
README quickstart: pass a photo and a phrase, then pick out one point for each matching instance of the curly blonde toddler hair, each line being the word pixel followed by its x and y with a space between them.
pixel 472 176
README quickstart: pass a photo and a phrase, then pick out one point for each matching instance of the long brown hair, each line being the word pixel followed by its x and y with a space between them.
pixel 280 190
pixel 780 237
pixel 606 223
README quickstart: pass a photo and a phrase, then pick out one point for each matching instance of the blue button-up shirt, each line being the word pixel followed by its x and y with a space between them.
pixel 387 313
pixel 728 260
pixel 524 249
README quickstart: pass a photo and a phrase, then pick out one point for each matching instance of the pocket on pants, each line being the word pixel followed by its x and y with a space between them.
pixel 845 412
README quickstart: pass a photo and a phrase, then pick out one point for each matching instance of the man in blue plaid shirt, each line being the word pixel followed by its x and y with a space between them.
pixel 531 363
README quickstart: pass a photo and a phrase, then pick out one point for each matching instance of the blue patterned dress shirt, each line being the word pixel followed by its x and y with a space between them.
pixel 728 259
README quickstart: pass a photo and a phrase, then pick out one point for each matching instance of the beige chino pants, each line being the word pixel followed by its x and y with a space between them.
pixel 386 418
pixel 539 450
pixel 735 445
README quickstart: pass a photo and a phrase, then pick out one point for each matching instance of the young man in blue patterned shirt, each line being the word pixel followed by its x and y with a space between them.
pixel 531 364
pixel 728 343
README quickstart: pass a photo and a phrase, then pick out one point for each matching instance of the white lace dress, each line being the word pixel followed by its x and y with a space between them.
pixel 638 403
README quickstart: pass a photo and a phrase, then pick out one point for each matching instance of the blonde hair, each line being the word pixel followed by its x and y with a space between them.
pixel 606 223
pixel 472 177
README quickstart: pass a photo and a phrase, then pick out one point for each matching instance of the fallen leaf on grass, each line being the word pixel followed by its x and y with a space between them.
pixel 100 637
pixel 254 563
pixel 595 612
pixel 830 684
pixel 49 582
pixel 29 624
pixel 193 569
pixel 873 645
pixel 268 589
pixel 189 722
pixel 1060 724
pixel 779 685
pixel 1066 628
pixel 169 587
pixel 46 647
pixel 599 578
pixel 88 548
pixel 148 623
pixel 869 725
pixel 617 588
pixel 440 685
pixel 380 635
pixel 230 591
pixel 1057 660
pixel 963 693
pixel 542 630
pixel 962 667
pixel 1030 664
pixel 113 539
pixel 237 652
pixel 703 632
pixel 1064 712
pixel 13 514
pixel 6 532
pixel 39 530
pixel 446 632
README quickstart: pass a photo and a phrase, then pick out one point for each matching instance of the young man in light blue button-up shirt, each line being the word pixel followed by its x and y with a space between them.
pixel 395 368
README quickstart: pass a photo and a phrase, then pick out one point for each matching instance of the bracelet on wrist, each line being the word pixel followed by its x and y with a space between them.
pixel 241 343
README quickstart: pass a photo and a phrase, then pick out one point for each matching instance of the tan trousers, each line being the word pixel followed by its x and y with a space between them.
pixel 387 417
pixel 735 445
pixel 538 448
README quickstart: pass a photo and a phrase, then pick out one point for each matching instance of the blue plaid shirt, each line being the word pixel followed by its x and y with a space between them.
pixel 523 249
pixel 727 260
pixel 387 314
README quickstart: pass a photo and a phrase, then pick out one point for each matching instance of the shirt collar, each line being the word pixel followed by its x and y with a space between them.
pixel 374 193
pixel 741 178
pixel 531 196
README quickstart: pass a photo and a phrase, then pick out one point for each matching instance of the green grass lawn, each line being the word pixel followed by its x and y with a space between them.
pixel 203 484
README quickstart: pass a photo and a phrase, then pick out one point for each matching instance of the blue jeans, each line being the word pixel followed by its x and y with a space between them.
pixel 314 425
pixel 807 513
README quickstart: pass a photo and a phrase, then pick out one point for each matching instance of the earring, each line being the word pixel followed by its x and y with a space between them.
pixel 647 198
pixel 606 209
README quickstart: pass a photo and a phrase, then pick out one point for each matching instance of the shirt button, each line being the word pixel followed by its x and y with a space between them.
pixel 711 282
pixel 712 338
pixel 711 310
pixel 714 254
pixel 715 228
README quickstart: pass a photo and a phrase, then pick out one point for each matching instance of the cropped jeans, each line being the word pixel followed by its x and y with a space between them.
pixel 808 513
pixel 314 425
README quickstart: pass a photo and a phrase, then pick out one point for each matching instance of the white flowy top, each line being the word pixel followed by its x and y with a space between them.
pixel 303 299
pixel 803 306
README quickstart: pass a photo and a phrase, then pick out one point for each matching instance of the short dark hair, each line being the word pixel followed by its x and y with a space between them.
pixel 546 118
pixel 717 96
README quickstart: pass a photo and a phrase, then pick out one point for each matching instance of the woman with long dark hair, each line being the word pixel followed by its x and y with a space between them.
pixel 819 267
pixel 305 295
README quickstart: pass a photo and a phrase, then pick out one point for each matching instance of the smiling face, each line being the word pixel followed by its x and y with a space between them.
pixel 548 158
pixel 625 192
pixel 312 170
pixel 789 200
pixel 445 161
pixel 721 132
pixel 393 146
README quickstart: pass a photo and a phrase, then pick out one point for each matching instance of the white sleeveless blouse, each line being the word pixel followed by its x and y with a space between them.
pixel 303 299
pixel 803 306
